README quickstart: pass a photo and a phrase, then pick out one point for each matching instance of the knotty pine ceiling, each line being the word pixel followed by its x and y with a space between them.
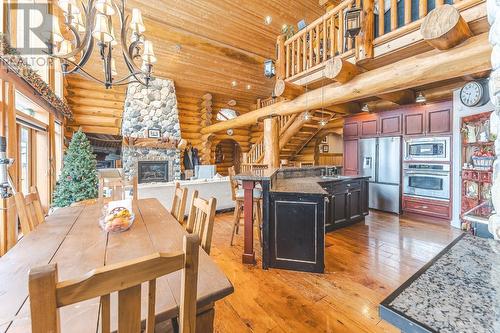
pixel 203 45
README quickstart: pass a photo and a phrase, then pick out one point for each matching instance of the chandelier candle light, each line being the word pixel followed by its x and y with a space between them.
pixel 91 22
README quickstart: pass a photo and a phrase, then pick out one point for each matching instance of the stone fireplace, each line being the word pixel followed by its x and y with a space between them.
pixel 152 108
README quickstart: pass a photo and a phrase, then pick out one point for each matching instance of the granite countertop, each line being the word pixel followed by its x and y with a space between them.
pixel 459 292
pixel 309 185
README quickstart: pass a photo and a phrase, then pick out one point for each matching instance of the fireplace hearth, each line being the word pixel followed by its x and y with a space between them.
pixel 152 171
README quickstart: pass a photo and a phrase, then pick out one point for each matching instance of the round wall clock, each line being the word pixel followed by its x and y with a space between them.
pixel 473 94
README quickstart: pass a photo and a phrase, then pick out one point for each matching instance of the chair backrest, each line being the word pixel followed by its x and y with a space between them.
pixel 201 219
pixel 179 203
pixel 47 294
pixel 29 209
pixel 232 182
pixel 117 186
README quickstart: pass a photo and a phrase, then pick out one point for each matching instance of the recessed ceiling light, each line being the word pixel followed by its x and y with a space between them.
pixel 249 86
pixel 268 19
pixel 234 83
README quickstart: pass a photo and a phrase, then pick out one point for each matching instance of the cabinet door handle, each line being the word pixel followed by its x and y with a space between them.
pixel 424 207
pixel 348 185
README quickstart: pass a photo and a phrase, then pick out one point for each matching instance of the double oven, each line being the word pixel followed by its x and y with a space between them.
pixel 426 167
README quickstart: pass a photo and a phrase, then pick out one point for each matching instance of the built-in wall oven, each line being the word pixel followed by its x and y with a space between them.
pixel 435 149
pixel 427 180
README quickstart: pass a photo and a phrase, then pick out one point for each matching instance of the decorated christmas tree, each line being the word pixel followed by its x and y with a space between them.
pixel 78 180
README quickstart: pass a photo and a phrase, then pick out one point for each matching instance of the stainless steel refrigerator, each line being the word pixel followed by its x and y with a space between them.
pixel 380 158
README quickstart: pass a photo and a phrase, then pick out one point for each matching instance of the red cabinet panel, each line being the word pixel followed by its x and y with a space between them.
pixel 439 209
pixel 351 129
pixel 369 127
pixel 350 157
pixel 439 121
pixel 390 124
pixel 414 123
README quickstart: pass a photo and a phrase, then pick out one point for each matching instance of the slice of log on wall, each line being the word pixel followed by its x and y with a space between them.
pixel 444 28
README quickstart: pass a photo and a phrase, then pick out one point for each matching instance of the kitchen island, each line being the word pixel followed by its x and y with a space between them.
pixel 299 206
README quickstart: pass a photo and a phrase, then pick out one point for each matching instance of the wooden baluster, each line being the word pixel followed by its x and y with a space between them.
pixel 304 52
pixel 364 41
pixel 394 15
pixel 293 58
pixel 318 42
pixel 381 12
pixel 349 40
pixel 340 46
pixel 422 8
pixel 407 11
pixel 332 36
pixel 287 74
pixel 325 39
pixel 299 56
pixel 311 36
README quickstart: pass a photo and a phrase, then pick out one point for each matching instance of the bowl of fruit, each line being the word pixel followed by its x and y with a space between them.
pixel 117 219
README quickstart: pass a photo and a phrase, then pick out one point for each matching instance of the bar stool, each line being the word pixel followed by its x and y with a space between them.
pixel 237 196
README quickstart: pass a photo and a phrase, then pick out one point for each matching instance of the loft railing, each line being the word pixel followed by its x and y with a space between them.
pixel 309 49
pixel 323 39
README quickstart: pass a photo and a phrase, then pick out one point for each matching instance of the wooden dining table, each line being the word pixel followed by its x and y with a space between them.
pixel 72 238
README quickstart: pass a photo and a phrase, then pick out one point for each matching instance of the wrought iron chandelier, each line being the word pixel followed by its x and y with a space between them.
pixel 90 23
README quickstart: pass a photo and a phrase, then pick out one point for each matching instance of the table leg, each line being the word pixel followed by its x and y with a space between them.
pixel 248 253
pixel 205 321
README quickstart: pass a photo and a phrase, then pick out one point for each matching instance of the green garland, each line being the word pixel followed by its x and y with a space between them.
pixel 16 63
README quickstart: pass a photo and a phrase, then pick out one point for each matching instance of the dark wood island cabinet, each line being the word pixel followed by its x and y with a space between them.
pixel 299 206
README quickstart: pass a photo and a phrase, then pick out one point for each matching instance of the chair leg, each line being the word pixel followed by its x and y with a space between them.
pixel 236 222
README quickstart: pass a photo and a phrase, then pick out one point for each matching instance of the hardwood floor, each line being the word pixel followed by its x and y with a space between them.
pixel 364 264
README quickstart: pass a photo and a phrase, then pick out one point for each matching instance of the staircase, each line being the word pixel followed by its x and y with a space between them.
pixel 297 148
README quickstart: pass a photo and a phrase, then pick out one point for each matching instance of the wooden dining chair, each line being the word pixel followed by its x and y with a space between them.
pixel 201 219
pixel 179 203
pixel 239 200
pixel 118 187
pixel 48 294
pixel 29 209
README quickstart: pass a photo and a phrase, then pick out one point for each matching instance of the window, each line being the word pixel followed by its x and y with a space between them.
pixel 24 158
pixel 226 114
pixel 58 148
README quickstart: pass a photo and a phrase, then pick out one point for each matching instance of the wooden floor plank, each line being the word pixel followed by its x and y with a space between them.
pixel 364 264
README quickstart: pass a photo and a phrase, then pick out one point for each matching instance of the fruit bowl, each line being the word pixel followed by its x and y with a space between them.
pixel 118 219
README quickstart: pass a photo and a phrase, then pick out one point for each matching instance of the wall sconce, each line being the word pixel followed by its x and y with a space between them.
pixel 269 68
pixel 352 22
pixel 420 98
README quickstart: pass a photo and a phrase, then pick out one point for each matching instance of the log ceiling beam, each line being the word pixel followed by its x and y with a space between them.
pixel 472 56
pixel 401 97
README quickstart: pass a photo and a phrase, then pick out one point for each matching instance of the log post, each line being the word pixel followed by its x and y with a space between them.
pixel 287 90
pixel 206 120
pixel 364 41
pixel 271 142
pixel 281 57
pixel 444 28
pixel 340 70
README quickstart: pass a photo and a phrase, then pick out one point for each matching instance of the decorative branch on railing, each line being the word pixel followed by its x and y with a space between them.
pixel 160 143
pixel 15 63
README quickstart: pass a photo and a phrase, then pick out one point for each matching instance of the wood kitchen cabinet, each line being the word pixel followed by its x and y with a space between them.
pixel 434 208
pixel 414 120
pixel 350 157
pixel 297 231
pixel 348 203
pixel 390 124
pixel 432 119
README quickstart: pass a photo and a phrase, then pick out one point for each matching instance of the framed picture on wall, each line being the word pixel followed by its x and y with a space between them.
pixel 154 133
pixel 324 140
pixel 326 148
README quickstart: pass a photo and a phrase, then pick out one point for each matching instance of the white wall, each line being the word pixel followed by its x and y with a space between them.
pixel 460 111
